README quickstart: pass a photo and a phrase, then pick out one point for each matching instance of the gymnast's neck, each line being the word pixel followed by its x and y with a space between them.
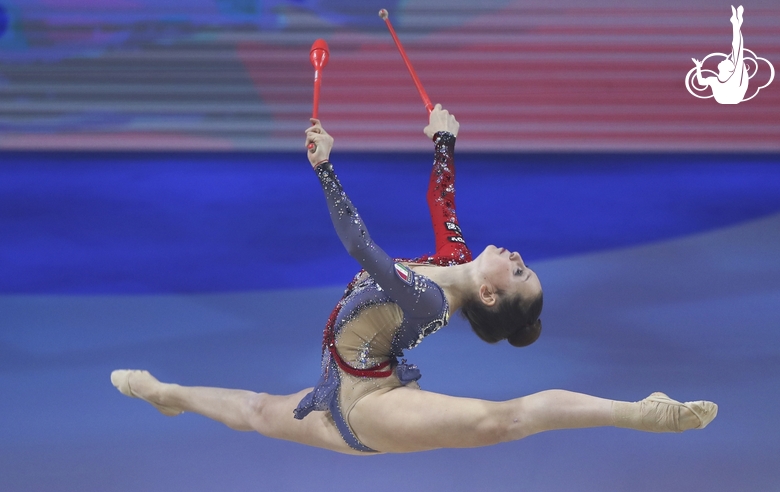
pixel 459 282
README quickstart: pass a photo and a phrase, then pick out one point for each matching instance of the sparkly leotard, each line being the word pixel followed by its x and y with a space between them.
pixel 387 307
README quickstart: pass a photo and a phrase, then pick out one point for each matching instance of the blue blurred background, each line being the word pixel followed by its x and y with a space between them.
pixel 157 212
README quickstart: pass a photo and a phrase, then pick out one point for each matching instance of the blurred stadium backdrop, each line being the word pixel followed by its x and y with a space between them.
pixel 235 74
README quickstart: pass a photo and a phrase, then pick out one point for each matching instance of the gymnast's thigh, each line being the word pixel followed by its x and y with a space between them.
pixel 403 420
pixel 275 419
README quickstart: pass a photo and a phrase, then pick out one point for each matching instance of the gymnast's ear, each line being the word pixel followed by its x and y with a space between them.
pixel 526 335
pixel 487 295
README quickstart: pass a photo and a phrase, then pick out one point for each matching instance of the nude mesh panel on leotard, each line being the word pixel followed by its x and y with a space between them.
pixel 393 310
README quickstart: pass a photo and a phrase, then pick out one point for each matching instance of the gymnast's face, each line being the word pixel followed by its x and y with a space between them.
pixel 502 271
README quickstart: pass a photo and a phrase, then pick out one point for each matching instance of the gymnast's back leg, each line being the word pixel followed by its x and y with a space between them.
pixel 270 415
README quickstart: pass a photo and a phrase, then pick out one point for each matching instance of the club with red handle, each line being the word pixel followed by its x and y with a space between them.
pixel 426 101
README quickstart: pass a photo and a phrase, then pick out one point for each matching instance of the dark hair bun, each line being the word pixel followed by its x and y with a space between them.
pixel 526 335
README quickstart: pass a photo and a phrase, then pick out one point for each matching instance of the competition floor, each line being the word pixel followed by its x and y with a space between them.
pixel 661 272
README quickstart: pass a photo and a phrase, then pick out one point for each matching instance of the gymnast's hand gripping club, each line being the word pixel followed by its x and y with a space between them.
pixel 318 56
pixel 426 100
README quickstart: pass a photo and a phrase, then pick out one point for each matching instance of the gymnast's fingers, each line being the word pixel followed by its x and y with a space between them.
pixel 316 127
pixel 319 146
pixel 441 121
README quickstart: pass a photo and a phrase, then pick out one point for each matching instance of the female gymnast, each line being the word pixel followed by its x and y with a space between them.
pixel 368 402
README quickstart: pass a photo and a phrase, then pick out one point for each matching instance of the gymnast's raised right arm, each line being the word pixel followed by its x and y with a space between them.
pixel 450 246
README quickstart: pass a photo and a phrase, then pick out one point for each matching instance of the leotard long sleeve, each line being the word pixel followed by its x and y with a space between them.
pixel 451 249
pixel 401 285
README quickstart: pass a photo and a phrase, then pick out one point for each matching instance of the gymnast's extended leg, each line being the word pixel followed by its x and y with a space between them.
pixel 270 415
pixel 405 420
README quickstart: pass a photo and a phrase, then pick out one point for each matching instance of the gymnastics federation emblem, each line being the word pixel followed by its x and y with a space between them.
pixel 403 273
pixel 730 84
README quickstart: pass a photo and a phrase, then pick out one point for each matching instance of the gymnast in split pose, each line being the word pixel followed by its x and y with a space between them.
pixel 366 401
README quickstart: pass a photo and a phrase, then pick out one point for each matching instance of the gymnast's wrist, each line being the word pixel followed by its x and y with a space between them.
pixel 444 137
pixel 323 167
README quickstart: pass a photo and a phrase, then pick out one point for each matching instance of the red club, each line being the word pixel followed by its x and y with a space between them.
pixel 318 56
pixel 426 101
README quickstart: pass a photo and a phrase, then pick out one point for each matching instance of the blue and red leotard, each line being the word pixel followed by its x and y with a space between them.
pixel 387 307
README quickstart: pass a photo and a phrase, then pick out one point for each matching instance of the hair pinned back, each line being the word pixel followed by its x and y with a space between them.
pixel 526 335
pixel 512 319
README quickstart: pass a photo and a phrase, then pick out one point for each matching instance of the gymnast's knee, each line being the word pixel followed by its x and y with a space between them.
pixel 513 421
pixel 256 409
pixel 495 425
